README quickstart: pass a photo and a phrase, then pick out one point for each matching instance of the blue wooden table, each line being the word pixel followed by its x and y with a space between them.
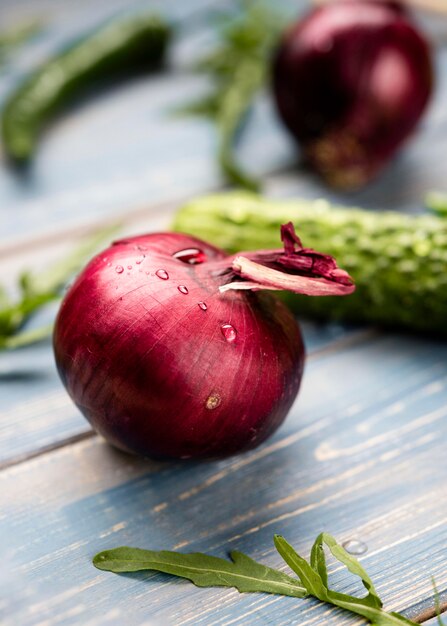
pixel 361 455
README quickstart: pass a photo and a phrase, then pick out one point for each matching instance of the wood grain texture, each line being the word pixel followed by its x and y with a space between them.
pixel 361 455
pixel 37 414
pixel 122 147
pixel 141 154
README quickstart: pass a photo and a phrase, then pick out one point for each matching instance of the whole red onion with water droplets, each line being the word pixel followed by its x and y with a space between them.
pixel 351 81
pixel 169 348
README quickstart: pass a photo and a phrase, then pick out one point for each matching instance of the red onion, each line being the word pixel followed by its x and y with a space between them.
pixel 167 350
pixel 351 81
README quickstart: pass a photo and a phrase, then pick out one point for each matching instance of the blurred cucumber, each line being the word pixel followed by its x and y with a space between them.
pixel 117 49
pixel 398 261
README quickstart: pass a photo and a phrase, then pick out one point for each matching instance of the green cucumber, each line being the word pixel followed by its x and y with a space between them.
pixel 398 261
pixel 116 50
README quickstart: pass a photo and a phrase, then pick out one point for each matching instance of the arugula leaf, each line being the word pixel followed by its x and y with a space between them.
pixel 239 69
pixel 437 202
pixel 318 563
pixel 36 291
pixel 314 578
pixel 247 575
pixel 26 338
pixel 306 573
pixel 203 570
pixel 12 38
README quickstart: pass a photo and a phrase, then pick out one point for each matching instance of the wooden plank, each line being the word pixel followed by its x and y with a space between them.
pixel 366 461
pixel 143 153
pixel 361 455
pixel 37 414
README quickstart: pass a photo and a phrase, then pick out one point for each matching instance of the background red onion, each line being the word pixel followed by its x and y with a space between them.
pixel 164 364
pixel 351 81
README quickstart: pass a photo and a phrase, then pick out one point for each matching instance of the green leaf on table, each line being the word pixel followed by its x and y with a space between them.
pixel 314 577
pixel 15 36
pixel 26 338
pixel 247 575
pixel 204 571
pixel 437 201
pixel 38 290
pixel 318 563
pixel 309 577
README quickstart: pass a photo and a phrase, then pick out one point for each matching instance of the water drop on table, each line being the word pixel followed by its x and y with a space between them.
pixel 163 274
pixel 183 289
pixel 202 306
pixel 119 269
pixel 229 332
pixel 192 256
pixel 355 546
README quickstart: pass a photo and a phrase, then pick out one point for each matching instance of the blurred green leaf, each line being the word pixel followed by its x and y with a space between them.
pixel 437 202
pixel 12 38
pixel 238 68
pixel 38 290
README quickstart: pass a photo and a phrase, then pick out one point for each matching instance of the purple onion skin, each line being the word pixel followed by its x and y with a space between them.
pixel 152 370
pixel 351 81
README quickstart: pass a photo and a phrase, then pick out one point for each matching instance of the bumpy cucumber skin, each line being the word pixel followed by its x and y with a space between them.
pixel 398 261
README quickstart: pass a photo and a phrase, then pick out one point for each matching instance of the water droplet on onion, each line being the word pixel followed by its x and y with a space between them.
pixel 183 289
pixel 229 332
pixel 129 267
pixel 192 256
pixel 213 401
pixel 355 546
pixel 141 247
pixel 140 260
pixel 119 269
pixel 163 274
pixel 202 306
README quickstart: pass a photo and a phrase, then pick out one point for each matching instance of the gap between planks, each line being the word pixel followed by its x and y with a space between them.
pixel 123 217
pixel 57 445
pixel 430 613
pixel 355 338
pixel 30 244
